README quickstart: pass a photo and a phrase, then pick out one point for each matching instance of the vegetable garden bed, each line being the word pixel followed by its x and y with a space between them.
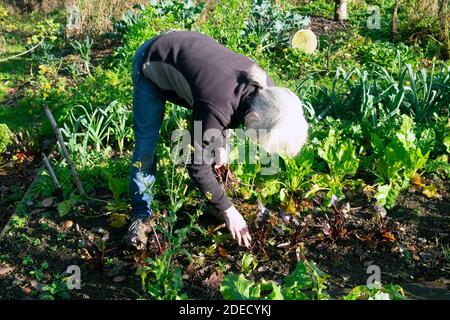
pixel 39 248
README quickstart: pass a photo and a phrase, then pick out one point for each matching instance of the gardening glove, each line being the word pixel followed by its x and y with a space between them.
pixel 237 226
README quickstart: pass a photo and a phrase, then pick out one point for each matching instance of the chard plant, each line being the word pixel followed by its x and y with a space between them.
pixel 118 186
pixel 341 159
pixel 377 292
pixel 334 228
pixel 247 172
pixel 248 263
pixel 237 287
pixel 292 179
pixel 306 282
pixel 399 158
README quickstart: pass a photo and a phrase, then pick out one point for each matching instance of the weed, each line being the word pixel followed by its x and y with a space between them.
pixel 5 137
pixel 27 260
pixel 161 278
pixel 335 228
pixel 38 273
pixel 84 50
pixel 446 252
pixel 378 292
pixel 306 277
pixel 56 289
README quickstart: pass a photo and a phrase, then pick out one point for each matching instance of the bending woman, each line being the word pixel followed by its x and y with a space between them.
pixel 224 89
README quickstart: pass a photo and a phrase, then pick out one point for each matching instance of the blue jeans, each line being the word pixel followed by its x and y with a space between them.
pixel 148 113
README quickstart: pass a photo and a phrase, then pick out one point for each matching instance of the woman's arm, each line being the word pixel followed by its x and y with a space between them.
pixel 204 142
pixel 206 135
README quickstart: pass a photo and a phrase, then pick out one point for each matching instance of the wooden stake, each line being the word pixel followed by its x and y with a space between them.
pixel 66 155
pixel 444 15
pixel 395 21
pixel 52 175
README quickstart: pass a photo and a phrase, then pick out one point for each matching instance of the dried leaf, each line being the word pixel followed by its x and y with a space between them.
pixel 326 228
pixel 300 251
pixel 214 280
pixel 320 236
pixel 431 192
pixel 5 269
pixel 343 234
pixel 190 269
pixel 263 268
pixel 417 180
pixel 26 290
pixel 305 205
pixel 139 256
pixel 214 229
pixel 388 236
pixel 85 254
pixel 222 252
pixel 67 225
pixel 291 206
pixel 364 237
pixel 369 188
pixel 285 217
pixel 346 208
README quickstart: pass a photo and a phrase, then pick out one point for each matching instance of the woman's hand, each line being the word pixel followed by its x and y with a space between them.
pixel 237 226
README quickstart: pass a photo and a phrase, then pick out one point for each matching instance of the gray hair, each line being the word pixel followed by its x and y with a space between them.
pixel 276 114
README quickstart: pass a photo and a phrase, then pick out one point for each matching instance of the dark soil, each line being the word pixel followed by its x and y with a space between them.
pixel 324 26
pixel 409 248
pixel 15 177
